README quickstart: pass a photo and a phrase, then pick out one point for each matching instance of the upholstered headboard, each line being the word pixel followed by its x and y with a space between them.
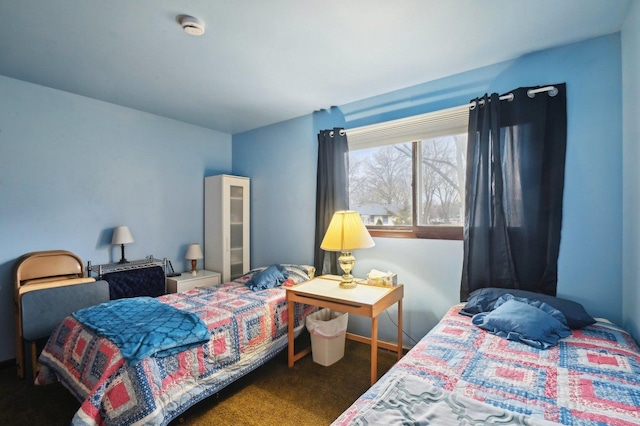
pixel 42 310
pixel 48 286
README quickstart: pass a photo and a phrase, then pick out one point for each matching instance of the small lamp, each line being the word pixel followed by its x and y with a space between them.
pixel 122 236
pixel 194 252
pixel 346 232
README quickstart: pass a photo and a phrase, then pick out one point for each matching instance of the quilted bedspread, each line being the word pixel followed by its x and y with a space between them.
pixel 591 378
pixel 247 328
pixel 144 326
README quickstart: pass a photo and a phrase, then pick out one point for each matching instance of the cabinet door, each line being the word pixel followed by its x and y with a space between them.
pixel 227 225
pixel 237 229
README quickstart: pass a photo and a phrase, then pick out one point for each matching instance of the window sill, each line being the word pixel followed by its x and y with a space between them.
pixel 431 232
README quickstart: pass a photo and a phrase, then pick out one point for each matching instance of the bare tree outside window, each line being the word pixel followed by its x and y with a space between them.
pixel 441 167
pixel 381 183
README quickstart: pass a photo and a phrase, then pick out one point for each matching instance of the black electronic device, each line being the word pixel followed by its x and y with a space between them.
pixel 172 273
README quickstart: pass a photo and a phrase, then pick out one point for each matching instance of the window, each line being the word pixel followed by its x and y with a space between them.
pixel 406 177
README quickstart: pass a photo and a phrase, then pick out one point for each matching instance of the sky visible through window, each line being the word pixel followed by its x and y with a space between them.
pixel 380 182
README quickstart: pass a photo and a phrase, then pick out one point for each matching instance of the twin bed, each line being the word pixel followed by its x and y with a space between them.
pixel 193 344
pixel 459 373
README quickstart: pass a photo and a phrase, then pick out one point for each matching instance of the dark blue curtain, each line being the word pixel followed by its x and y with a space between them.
pixel 332 192
pixel 514 187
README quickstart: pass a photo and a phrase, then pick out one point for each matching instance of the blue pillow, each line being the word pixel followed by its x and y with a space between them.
pixel 484 299
pixel 527 321
pixel 271 277
pixel 297 273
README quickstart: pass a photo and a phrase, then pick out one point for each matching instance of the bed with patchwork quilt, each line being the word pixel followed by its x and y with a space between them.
pixel 461 373
pixel 192 345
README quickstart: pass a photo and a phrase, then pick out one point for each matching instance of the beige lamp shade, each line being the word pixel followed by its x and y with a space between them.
pixel 194 252
pixel 346 232
pixel 121 235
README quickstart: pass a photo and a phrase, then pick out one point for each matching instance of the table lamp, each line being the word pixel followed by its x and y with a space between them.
pixel 194 252
pixel 122 236
pixel 346 232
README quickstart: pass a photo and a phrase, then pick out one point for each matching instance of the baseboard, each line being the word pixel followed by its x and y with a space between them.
pixel 8 363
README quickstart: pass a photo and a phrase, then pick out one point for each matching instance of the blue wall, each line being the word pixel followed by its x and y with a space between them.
pixel 280 161
pixel 631 171
pixel 72 168
pixel 590 268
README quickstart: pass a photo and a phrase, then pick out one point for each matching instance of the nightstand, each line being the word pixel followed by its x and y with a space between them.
pixel 365 300
pixel 187 281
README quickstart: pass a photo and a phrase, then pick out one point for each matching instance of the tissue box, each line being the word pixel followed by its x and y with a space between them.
pixel 388 280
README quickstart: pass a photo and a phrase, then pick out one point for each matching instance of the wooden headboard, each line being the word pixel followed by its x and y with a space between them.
pixel 44 269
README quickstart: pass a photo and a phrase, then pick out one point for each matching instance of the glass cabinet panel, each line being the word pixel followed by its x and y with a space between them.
pixel 235 231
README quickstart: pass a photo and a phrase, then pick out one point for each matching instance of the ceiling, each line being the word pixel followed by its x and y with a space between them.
pixel 265 61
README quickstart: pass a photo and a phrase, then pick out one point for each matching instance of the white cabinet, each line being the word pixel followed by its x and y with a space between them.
pixel 226 225
pixel 187 281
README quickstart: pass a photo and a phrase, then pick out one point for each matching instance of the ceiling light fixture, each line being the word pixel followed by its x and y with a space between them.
pixel 190 25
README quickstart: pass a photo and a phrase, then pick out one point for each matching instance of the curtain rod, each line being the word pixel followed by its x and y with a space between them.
pixel 531 93
pixel 449 112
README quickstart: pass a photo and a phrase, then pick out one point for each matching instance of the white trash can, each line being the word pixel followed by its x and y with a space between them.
pixel 328 330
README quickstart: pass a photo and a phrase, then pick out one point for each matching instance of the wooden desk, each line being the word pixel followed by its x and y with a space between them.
pixel 365 300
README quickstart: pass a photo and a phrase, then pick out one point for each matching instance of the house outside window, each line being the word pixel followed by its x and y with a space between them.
pixel 406 177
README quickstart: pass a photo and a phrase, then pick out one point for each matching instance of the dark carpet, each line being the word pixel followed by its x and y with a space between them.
pixel 273 394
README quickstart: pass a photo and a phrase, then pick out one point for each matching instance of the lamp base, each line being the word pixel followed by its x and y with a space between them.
pixel 346 262
pixel 347 281
pixel 122 259
pixel 194 264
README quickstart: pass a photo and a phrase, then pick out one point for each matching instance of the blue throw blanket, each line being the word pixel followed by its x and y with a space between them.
pixel 142 326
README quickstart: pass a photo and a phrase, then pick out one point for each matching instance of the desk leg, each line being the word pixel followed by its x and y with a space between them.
pixel 291 308
pixel 399 329
pixel 374 350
